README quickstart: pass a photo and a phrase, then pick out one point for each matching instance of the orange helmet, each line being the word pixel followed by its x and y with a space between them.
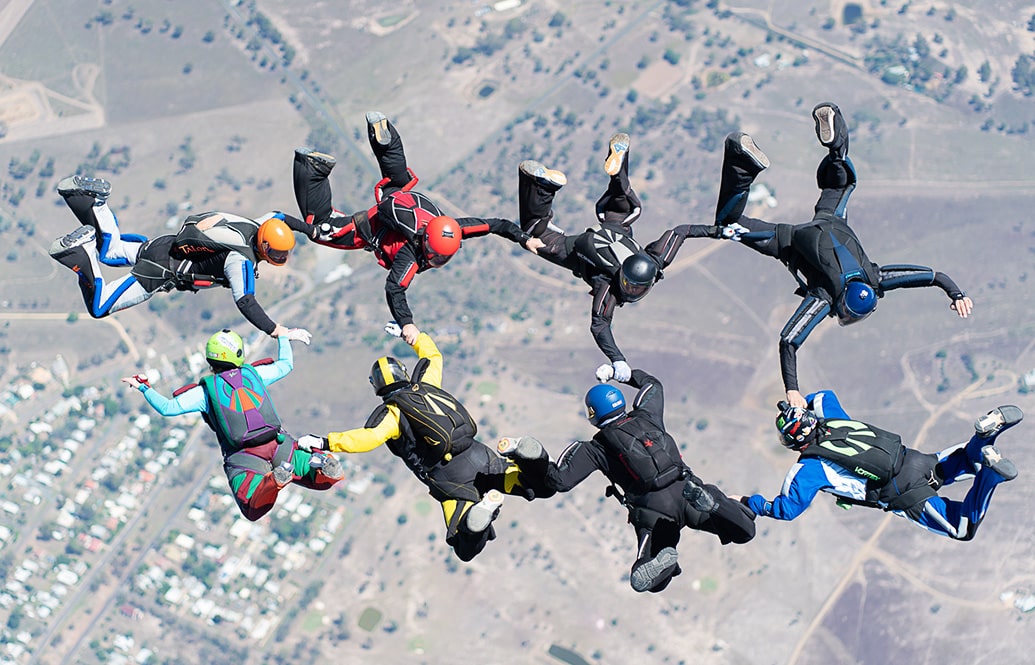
pixel 274 240
pixel 441 240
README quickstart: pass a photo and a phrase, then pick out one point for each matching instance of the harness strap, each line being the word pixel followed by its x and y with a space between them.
pixel 245 460
pixel 910 498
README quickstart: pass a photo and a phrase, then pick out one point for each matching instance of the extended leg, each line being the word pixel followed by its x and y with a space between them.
pixel 316 470
pixel 255 493
pixel 469 524
pixel 312 188
pixel 835 175
pixel 88 200
pixel 619 203
pixel 388 149
pixel 742 161
pixel 537 186
pixel 76 252
pixel 960 519
pixel 656 558
pixel 526 474
pixel 709 509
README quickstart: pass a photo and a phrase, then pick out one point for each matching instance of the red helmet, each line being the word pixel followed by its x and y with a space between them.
pixel 274 240
pixel 441 240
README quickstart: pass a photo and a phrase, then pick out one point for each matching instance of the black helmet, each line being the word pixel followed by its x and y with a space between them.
pixel 795 425
pixel 387 374
pixel 638 274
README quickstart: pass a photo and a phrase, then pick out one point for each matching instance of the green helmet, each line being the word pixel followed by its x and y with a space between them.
pixel 225 346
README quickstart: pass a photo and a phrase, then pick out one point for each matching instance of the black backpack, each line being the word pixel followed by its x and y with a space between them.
pixel 648 454
pixel 867 451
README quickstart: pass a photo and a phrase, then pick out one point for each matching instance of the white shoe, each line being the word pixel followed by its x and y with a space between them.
pixel 525 447
pixel 481 514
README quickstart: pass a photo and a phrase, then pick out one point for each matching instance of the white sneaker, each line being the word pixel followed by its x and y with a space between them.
pixel 525 447
pixel 481 514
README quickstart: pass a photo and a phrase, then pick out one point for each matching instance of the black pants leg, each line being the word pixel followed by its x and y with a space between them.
pixel 390 158
pixel 312 191
pixel 619 204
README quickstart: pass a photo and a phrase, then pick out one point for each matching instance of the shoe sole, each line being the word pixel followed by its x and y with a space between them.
pixel 95 187
pixel 540 173
pixel 824 116
pixel 646 576
pixel 282 476
pixel 84 235
pixel 994 460
pixel 524 447
pixel 332 467
pixel 997 420
pixel 481 514
pixel 319 157
pixel 619 146
pixel 379 123
pixel 760 159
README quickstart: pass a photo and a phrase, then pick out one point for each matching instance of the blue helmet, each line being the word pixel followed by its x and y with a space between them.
pixel 603 402
pixel 858 300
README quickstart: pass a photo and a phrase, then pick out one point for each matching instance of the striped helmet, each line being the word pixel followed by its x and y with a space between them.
pixel 387 374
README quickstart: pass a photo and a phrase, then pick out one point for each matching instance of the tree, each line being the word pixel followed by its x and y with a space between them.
pixel 985 72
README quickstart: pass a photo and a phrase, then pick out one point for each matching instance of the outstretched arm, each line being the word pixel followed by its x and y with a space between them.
pixel 191 401
pixel 240 273
pixel 651 395
pixel 604 304
pixel 810 312
pixel 473 227
pixel 665 248
pixel 404 267
pixel 800 487
pixel 575 464
pixel 904 276
pixel 385 427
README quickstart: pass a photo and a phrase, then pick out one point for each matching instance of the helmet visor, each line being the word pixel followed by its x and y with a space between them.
pixel 277 257
pixel 632 291
pixel 436 260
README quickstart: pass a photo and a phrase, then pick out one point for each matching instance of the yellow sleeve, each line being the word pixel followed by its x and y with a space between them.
pixel 425 348
pixel 365 439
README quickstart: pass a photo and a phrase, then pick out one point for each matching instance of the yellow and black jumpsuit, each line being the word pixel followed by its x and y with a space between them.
pixel 432 432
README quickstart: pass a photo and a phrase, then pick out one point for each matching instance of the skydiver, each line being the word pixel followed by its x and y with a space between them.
pixel 259 457
pixel 405 230
pixel 887 474
pixel 662 494
pixel 617 269
pixel 834 275
pixel 432 432
pixel 211 249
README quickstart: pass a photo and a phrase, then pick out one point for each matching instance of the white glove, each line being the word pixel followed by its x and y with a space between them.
pixel 312 442
pixel 605 372
pixel 393 329
pixel 733 232
pixel 622 371
pixel 299 335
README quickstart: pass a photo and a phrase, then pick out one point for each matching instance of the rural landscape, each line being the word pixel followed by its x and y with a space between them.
pixel 120 541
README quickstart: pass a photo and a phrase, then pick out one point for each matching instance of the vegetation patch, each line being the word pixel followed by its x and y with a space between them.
pixel 369 619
